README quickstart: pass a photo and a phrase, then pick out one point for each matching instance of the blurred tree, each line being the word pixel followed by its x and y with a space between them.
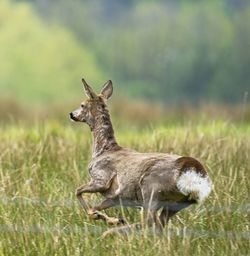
pixel 40 62
pixel 174 51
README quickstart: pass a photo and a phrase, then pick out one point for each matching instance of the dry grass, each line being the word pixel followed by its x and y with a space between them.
pixel 41 165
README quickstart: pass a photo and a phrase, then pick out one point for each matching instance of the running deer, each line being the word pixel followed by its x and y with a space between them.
pixel 153 181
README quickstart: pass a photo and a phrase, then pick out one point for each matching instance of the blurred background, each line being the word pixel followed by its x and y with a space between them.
pixel 168 60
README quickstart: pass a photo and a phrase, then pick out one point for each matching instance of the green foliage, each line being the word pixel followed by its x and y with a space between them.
pixel 170 50
pixel 39 61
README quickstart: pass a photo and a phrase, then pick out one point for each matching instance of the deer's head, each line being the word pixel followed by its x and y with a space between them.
pixel 94 106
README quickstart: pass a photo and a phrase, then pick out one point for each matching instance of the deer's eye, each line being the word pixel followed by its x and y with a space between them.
pixel 82 105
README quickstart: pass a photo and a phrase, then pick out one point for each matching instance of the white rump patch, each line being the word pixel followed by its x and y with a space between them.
pixel 193 182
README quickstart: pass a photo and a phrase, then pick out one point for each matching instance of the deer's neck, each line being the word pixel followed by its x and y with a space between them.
pixel 104 137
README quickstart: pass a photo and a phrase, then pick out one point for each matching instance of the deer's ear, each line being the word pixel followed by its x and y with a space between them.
pixel 88 90
pixel 107 89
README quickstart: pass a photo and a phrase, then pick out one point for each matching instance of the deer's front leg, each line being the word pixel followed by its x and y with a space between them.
pixel 92 187
pixel 95 211
pixel 107 203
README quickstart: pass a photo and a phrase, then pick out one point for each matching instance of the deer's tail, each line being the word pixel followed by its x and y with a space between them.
pixel 193 180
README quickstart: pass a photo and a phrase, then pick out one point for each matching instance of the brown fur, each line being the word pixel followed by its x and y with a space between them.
pixel 185 163
pixel 126 176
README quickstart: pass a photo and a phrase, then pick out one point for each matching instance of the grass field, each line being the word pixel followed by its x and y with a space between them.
pixel 42 164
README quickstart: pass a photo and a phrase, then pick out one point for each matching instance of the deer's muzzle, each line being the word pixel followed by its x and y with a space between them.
pixel 72 117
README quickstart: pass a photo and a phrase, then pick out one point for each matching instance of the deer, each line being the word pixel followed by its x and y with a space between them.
pixel 160 184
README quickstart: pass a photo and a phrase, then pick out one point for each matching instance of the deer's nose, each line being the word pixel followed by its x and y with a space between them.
pixel 72 117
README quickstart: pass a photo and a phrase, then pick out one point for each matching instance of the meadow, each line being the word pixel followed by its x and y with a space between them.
pixel 181 79
pixel 42 163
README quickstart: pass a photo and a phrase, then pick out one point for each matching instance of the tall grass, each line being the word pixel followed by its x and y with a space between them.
pixel 41 165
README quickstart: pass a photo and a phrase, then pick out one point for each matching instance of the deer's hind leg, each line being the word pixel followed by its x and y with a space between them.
pixel 170 210
pixel 151 205
pixel 165 216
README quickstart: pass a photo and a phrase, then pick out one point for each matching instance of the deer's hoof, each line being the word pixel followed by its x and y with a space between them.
pixel 94 215
pixel 116 221
pixel 121 221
